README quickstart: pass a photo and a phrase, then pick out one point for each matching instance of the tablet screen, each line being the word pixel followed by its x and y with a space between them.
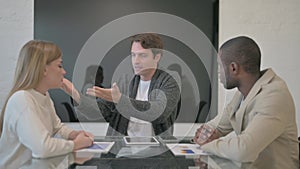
pixel 168 138
pixel 98 147
pixel 140 140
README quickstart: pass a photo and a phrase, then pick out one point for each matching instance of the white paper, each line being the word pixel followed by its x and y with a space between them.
pixel 186 149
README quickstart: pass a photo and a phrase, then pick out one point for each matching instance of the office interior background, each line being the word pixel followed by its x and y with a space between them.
pixel 81 25
pixel 274 24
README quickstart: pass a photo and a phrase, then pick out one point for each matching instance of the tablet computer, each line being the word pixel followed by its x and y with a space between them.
pixel 140 140
pixel 98 147
pixel 169 139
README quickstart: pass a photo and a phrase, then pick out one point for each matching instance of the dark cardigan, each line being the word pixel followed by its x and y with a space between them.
pixel 160 109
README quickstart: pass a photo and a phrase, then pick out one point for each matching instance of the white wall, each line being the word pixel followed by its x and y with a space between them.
pixel 16 28
pixel 274 24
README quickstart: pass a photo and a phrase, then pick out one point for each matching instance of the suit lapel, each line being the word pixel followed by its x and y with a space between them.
pixel 239 111
pixel 235 112
pixel 242 110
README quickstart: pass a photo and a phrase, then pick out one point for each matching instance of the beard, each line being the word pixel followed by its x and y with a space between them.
pixel 228 86
pixel 230 83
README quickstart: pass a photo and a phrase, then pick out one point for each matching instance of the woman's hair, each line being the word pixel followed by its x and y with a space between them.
pixel 33 58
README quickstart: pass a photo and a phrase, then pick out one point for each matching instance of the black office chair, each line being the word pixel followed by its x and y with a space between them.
pixel 71 112
pixel 178 108
pixel 202 113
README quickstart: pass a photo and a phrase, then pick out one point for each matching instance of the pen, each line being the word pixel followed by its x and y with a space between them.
pixel 92 139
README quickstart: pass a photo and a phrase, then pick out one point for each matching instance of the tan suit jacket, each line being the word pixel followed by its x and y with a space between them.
pixel 264 124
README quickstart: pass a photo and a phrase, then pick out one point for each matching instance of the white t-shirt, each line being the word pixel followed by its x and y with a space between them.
pixel 138 127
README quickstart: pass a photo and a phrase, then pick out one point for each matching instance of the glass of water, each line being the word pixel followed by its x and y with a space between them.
pixel 205 133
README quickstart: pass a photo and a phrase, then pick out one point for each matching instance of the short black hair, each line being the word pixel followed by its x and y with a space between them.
pixel 244 51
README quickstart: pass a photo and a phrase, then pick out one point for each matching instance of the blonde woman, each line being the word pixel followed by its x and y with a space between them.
pixel 28 120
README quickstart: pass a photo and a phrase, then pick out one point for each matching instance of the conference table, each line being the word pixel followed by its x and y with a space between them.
pixel 122 156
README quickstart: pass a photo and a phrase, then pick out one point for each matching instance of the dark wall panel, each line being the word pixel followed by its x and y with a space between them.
pixel 70 23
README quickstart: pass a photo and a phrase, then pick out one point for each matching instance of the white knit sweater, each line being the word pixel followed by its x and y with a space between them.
pixel 30 122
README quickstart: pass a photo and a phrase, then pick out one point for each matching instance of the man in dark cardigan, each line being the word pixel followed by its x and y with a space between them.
pixel 146 104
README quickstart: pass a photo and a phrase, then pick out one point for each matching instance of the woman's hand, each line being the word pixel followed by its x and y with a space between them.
pixel 82 141
pixel 74 134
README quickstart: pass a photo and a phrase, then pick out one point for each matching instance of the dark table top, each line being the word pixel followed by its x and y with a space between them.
pixel 122 156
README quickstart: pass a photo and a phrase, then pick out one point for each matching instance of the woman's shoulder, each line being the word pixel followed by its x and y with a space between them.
pixel 18 102
pixel 21 93
pixel 20 96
